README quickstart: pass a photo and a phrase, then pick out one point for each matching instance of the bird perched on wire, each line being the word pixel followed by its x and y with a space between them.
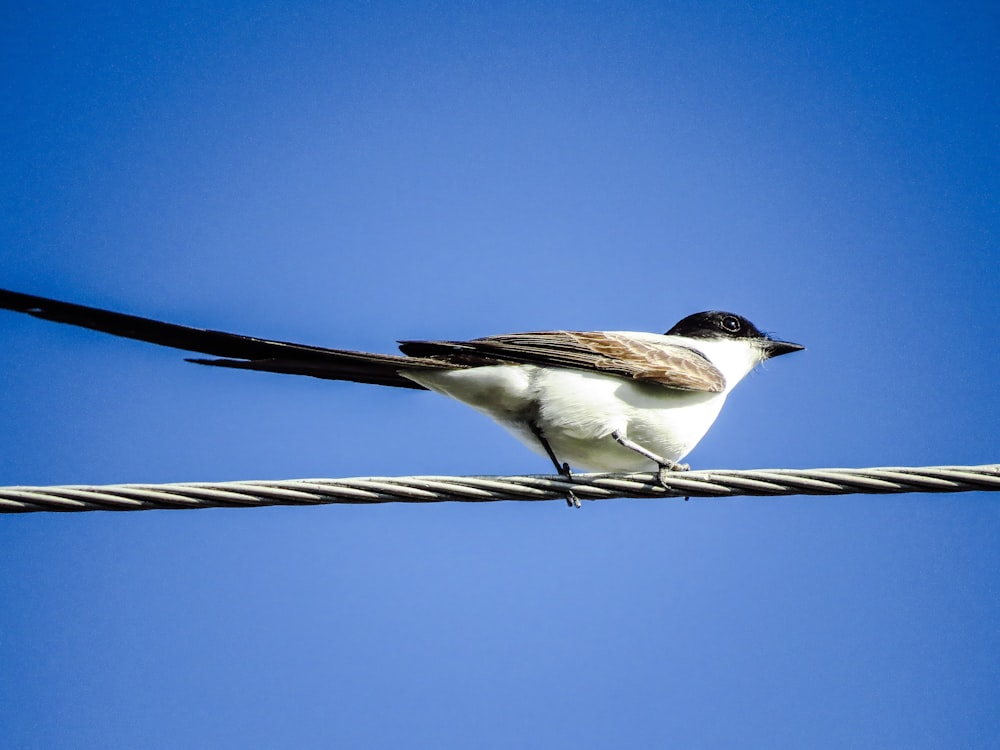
pixel 615 401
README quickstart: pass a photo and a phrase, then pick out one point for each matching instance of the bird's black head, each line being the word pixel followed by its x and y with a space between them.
pixel 715 324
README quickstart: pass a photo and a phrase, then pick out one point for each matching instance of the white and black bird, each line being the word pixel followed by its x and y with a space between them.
pixel 602 400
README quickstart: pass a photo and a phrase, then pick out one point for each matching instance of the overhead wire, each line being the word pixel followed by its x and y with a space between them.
pixel 720 483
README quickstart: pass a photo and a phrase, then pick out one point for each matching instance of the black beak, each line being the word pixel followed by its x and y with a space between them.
pixel 774 348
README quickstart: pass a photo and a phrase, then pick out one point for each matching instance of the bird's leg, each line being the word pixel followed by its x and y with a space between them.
pixel 665 465
pixel 563 468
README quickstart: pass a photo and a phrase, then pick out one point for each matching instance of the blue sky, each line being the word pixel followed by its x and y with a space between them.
pixel 352 174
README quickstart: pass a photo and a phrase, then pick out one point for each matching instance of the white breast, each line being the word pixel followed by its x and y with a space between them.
pixel 578 410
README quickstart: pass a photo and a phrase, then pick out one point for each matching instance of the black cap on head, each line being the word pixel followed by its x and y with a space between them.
pixel 716 324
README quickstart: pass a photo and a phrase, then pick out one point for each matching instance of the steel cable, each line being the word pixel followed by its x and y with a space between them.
pixel 430 489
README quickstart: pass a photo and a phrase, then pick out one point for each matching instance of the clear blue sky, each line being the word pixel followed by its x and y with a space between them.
pixel 351 174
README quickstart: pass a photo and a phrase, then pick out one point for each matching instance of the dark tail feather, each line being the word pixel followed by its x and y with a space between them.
pixel 359 367
pixel 243 352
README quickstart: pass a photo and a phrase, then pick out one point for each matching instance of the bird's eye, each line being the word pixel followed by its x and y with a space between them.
pixel 731 324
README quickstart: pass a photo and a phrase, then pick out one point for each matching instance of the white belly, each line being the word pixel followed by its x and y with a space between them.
pixel 578 410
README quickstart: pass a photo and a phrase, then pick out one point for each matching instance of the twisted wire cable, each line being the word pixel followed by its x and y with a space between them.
pixel 431 489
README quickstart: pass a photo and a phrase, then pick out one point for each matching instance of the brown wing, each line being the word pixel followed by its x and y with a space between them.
pixel 667 365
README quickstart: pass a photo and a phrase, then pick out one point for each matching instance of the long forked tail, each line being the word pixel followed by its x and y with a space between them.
pixel 241 352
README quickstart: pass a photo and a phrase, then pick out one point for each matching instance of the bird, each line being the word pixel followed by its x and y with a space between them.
pixel 609 401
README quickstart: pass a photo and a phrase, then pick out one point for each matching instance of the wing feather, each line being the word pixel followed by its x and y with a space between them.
pixel 669 365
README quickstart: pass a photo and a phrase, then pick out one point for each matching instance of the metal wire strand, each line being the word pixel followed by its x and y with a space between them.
pixel 432 489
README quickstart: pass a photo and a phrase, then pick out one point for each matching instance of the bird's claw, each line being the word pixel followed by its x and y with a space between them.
pixel 572 501
pixel 667 468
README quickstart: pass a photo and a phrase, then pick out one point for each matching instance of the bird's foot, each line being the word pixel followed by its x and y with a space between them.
pixel 563 468
pixel 572 500
pixel 666 468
